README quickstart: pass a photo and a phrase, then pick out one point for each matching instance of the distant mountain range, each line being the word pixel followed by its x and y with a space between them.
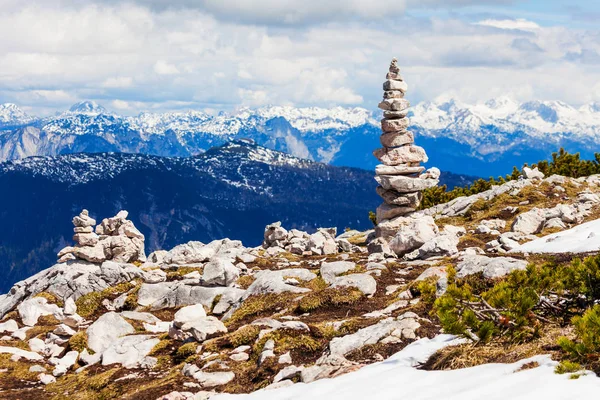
pixel 483 139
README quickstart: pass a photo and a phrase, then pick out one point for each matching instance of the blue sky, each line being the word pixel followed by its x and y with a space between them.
pixel 156 55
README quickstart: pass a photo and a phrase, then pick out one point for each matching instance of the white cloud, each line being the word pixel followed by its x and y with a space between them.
pixel 253 98
pixel 516 24
pixel 120 105
pixel 169 58
pixel 118 82
pixel 164 68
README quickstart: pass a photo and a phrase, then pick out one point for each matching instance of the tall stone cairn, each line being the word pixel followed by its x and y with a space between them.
pixel 400 176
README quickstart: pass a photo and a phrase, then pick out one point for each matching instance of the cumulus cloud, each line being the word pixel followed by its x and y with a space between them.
pixel 134 57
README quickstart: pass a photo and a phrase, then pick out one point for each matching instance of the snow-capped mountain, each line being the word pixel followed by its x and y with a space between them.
pixel 477 139
pixel 11 115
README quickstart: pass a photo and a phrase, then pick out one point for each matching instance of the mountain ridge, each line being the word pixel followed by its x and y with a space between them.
pixel 481 139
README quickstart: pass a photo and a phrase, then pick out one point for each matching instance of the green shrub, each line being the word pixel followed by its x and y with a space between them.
pixel 512 306
pixel 567 367
pixel 587 329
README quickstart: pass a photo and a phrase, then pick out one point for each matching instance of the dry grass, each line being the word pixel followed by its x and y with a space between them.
pixel 498 351
pixel 327 298
pixel 245 281
pixel 51 298
pixel 177 273
pixel 256 306
pixel 78 341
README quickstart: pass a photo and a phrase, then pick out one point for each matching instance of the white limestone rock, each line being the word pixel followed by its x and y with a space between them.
pixel 188 314
pixel 83 220
pixel 62 365
pixel 208 379
pixel 9 326
pixel 533 173
pixel 220 272
pixel 129 351
pixel 491 268
pixel 273 282
pixel 106 330
pixel 331 270
pixel 178 294
pixel 387 211
pixel 402 327
pixel 20 353
pixel 530 222
pixel 409 233
pixel 30 310
pixel 394 125
pixel 441 245
pixel 363 282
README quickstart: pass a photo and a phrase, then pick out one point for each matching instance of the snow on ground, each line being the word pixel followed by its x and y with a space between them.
pixel 397 379
pixel 581 239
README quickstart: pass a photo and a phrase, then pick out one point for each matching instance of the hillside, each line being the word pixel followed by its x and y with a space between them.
pixel 205 319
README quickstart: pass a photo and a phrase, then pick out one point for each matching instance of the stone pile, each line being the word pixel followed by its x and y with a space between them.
pixel 115 239
pixel 322 242
pixel 400 176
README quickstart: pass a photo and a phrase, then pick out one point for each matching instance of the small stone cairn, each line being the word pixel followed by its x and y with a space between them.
pixel 401 179
pixel 115 239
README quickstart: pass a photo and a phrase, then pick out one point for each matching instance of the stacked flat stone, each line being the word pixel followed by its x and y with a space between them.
pixel 400 176
pixel 115 239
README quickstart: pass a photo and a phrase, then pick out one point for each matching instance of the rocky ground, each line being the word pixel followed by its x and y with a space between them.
pixel 210 318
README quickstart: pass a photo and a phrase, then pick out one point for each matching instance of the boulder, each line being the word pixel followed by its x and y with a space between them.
pixel 441 277
pixel 20 353
pixel 207 379
pixel 130 351
pixel 442 245
pixel 380 245
pixel 62 365
pixel 273 282
pixel 106 330
pixel 220 272
pixel 408 233
pixel 322 242
pixel 363 282
pixel 274 234
pixel 9 326
pixel 178 294
pixel 30 310
pixel 188 314
pixel 402 327
pixel 530 222
pixel 554 223
pixel 491 268
pixel 535 173
pixel 331 270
